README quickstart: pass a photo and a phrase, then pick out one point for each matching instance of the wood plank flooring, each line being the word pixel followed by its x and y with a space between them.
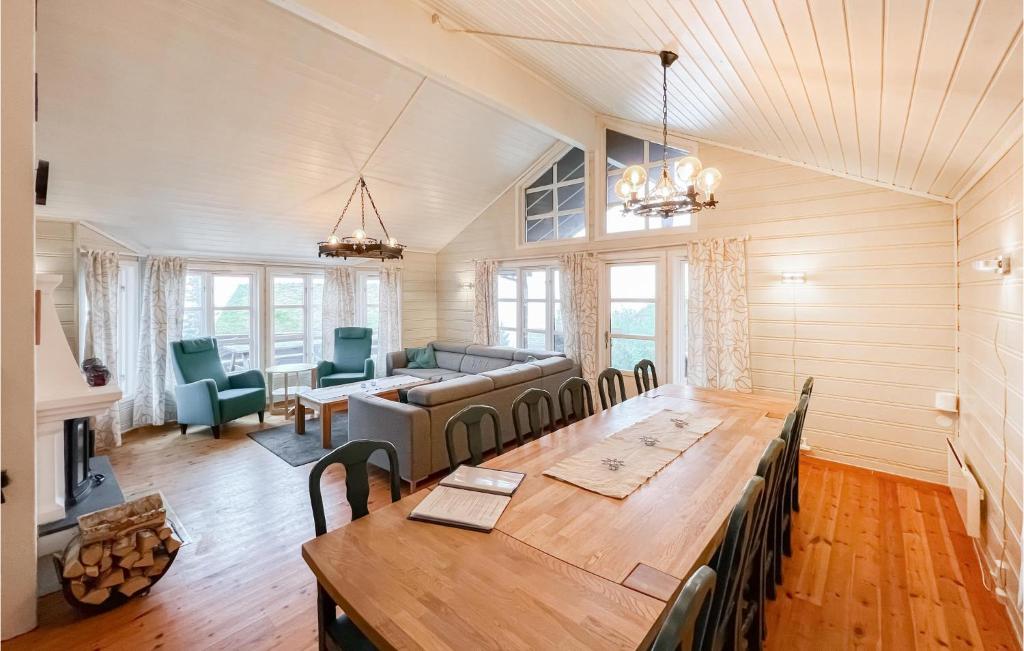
pixel 879 562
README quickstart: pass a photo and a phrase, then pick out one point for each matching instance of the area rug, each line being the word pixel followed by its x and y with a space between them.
pixel 298 450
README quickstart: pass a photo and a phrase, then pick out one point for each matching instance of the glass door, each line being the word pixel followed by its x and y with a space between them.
pixel 633 314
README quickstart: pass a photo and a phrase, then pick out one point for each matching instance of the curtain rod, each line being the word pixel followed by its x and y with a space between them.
pixel 649 247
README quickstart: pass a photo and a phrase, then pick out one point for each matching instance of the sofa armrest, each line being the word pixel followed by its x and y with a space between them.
pixel 396 360
pixel 323 369
pixel 369 368
pixel 251 379
pixel 406 426
pixel 198 403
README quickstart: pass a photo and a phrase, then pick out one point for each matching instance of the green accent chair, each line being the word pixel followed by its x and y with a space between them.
pixel 206 394
pixel 352 360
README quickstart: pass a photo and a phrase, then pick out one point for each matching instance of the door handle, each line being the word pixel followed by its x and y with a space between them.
pixel 607 339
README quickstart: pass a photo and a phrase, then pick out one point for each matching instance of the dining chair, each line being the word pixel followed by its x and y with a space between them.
pixel 790 457
pixel 606 381
pixel 472 418
pixel 341 630
pixel 722 629
pixel 689 613
pixel 645 375
pixel 805 392
pixel 575 399
pixel 755 572
pixel 532 400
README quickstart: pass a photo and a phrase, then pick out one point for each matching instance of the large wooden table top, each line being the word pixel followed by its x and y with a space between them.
pixel 565 567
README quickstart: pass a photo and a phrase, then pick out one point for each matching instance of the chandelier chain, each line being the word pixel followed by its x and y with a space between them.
pixel 362 204
pixel 387 236
pixel 664 118
pixel 334 230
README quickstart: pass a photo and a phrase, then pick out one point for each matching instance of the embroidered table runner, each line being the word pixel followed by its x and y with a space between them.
pixel 621 463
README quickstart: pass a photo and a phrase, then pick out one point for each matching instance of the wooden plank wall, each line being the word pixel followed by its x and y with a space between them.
pixel 989 224
pixel 419 299
pixel 874 324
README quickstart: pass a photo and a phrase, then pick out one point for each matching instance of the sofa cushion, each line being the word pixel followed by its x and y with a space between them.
pixel 478 364
pixel 499 352
pixel 420 357
pixel 235 403
pixel 552 365
pixel 523 355
pixel 448 347
pixel 448 360
pixel 515 374
pixel 335 379
pixel 456 389
pixel 436 374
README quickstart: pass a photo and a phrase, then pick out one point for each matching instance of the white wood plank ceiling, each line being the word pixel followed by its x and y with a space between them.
pixel 918 94
pixel 235 128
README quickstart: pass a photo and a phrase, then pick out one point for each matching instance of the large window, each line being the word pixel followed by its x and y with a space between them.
pixel 368 304
pixel 530 309
pixel 632 303
pixel 623 151
pixel 221 305
pixel 554 202
pixel 296 317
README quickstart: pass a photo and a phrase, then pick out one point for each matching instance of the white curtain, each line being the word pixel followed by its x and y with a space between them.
pixel 160 322
pixel 101 292
pixel 718 340
pixel 389 339
pixel 339 304
pixel 579 310
pixel 485 304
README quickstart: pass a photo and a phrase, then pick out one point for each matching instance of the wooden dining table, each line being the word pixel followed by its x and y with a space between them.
pixel 564 567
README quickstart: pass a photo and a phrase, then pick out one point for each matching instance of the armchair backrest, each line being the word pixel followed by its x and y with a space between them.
pixel 198 359
pixel 351 349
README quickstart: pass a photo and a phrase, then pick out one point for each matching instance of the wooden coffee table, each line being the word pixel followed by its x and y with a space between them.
pixel 330 400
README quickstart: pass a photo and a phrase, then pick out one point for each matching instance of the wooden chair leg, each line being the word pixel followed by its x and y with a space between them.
pixel 260 415
pixel 216 431
pixel 184 428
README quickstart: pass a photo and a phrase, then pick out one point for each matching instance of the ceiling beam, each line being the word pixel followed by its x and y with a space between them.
pixel 401 30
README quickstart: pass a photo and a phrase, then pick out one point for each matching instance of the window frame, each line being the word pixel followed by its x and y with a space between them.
pixel 543 164
pixel 363 276
pixel 207 309
pixel 664 346
pixel 648 135
pixel 308 336
pixel 552 305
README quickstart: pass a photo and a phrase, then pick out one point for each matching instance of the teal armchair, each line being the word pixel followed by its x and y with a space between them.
pixel 352 360
pixel 206 394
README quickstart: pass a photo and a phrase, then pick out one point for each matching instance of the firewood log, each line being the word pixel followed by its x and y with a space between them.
pixel 160 562
pixel 142 513
pixel 163 532
pixel 145 540
pixel 129 559
pixel 115 576
pixel 91 554
pixel 96 596
pixel 92 571
pixel 106 562
pixel 123 545
pixel 78 589
pixel 172 544
pixel 72 565
pixel 133 585
pixel 146 560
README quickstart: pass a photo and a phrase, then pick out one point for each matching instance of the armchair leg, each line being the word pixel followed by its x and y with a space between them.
pixel 260 415
pixel 216 431
pixel 184 428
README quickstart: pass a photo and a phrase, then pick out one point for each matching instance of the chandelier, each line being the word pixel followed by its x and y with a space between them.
pixel 668 199
pixel 358 245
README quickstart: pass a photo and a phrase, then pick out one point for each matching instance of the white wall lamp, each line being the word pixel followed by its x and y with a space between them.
pixel 1000 265
pixel 466 285
pixel 794 277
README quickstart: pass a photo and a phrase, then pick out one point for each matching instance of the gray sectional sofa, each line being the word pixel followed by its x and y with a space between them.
pixel 465 375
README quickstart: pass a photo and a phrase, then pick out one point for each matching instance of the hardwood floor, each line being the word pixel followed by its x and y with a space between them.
pixel 879 562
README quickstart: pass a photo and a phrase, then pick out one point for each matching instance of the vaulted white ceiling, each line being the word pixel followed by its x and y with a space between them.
pixel 917 94
pixel 236 128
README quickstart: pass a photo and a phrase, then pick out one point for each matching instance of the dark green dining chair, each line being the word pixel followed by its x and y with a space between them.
pixel 471 418
pixel 688 616
pixel 537 403
pixel 354 455
pixel 723 627
pixel 645 376
pixel 575 399
pixel 782 544
pixel 801 415
pixel 611 387
pixel 755 570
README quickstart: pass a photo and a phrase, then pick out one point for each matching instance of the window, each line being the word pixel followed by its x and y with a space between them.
pixel 220 304
pixel 296 302
pixel 623 151
pixel 368 305
pixel 632 307
pixel 530 309
pixel 127 325
pixel 554 202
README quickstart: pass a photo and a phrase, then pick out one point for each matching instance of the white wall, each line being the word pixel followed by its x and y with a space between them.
pixel 989 223
pixel 874 324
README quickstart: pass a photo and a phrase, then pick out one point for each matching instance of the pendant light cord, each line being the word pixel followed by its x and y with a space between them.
pixel 664 119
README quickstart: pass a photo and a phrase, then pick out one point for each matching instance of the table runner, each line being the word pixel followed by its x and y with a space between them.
pixel 625 460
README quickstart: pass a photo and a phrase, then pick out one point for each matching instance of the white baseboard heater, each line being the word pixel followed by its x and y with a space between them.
pixel 967 493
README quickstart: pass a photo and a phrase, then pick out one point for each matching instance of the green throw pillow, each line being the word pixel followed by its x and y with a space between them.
pixel 420 357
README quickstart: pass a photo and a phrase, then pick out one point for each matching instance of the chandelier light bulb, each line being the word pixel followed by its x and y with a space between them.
pixel 708 180
pixel 359 235
pixel 624 189
pixel 392 241
pixel 665 188
pixel 333 239
pixel 687 170
pixel 636 175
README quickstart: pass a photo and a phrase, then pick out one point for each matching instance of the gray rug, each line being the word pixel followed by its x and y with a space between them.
pixel 299 450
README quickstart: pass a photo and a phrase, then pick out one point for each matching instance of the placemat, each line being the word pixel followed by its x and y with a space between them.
pixel 669 428
pixel 612 467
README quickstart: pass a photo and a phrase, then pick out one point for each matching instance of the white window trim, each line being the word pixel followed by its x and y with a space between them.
pixel 544 163
pixel 308 336
pixel 601 194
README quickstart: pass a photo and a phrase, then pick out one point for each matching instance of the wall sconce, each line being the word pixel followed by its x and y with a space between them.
pixel 793 278
pixel 1000 265
pixel 466 285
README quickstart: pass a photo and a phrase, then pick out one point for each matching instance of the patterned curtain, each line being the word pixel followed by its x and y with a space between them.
pixel 101 291
pixel 579 310
pixel 161 312
pixel 389 339
pixel 339 304
pixel 718 344
pixel 485 305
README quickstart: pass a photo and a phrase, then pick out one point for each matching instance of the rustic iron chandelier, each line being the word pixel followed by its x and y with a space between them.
pixel 358 244
pixel 667 199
